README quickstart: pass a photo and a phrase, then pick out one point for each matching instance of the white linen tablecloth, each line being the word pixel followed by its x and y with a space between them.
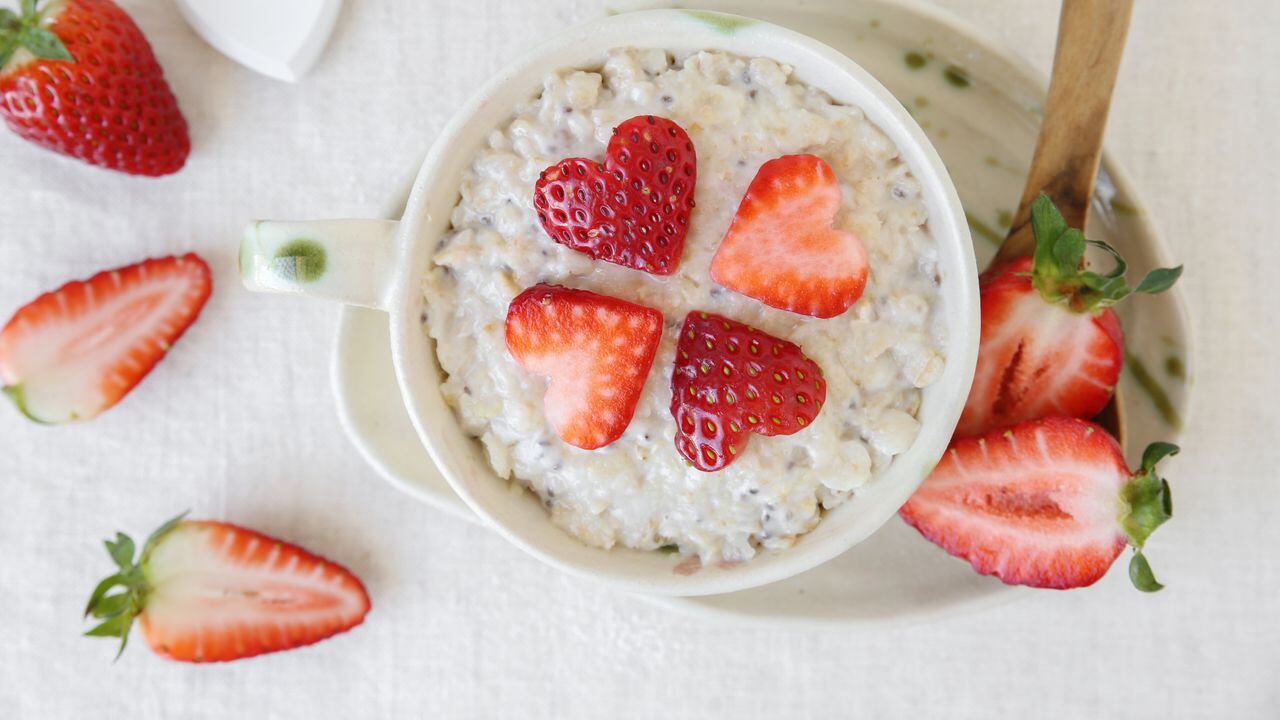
pixel 238 423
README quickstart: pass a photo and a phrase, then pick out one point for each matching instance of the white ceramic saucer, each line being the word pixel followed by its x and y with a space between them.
pixel 980 106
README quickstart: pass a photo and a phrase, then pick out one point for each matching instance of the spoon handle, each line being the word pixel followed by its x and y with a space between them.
pixel 1091 35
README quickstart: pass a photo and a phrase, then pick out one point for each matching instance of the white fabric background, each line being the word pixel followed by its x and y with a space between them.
pixel 238 423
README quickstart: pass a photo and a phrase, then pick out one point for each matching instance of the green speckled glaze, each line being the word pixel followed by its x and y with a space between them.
pixel 727 24
pixel 1122 207
pixel 300 261
pixel 914 60
pixel 956 76
pixel 1154 391
pixel 983 230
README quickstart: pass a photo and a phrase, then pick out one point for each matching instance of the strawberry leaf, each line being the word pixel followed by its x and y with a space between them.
pixel 121 550
pixel 43 43
pixel 1159 280
pixel 111 605
pixel 8 44
pixel 1156 452
pixel 1057 270
pixel 101 591
pixel 1150 505
pixel 1141 576
pixel 112 627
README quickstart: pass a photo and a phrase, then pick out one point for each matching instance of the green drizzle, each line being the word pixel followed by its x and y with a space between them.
pixel 1004 218
pixel 727 24
pixel 1174 367
pixel 914 60
pixel 956 75
pixel 1150 386
pixel 982 229
pixel 300 261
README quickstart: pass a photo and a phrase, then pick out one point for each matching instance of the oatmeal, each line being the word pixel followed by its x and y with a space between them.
pixel 638 491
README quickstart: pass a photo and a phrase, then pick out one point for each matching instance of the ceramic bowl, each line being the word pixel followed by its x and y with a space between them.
pixel 380 264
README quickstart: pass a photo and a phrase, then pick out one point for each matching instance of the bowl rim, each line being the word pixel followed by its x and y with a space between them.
pixel 413 350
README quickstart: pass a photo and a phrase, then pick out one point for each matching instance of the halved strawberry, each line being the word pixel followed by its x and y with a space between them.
pixel 1051 344
pixel 596 350
pixel 781 248
pixel 634 209
pixel 207 591
pixel 1047 503
pixel 731 379
pixel 76 351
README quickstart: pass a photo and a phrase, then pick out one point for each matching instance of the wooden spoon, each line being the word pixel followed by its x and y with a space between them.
pixel 1091 35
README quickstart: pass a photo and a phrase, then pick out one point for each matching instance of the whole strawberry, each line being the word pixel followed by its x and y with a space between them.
pixel 79 78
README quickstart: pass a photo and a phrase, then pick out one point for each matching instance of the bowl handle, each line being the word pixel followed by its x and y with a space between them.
pixel 350 261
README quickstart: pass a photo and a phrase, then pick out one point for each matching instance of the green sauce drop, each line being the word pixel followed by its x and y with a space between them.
pixel 1173 365
pixel 914 60
pixel 300 261
pixel 1004 218
pixel 956 76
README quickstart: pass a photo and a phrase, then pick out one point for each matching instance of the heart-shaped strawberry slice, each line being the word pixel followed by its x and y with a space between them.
pixel 634 209
pixel 781 248
pixel 731 379
pixel 596 350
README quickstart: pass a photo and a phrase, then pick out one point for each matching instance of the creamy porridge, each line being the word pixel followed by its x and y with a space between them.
pixel 638 492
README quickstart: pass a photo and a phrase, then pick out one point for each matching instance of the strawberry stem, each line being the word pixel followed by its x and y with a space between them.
pixel 1057 265
pixel 1148 505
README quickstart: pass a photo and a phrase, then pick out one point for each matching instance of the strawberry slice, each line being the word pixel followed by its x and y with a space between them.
pixel 596 350
pixel 72 353
pixel 781 248
pixel 634 209
pixel 731 379
pixel 1050 343
pixel 1047 503
pixel 207 591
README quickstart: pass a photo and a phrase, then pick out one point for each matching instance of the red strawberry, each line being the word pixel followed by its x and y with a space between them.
pixel 79 78
pixel 781 248
pixel 596 350
pixel 76 351
pixel 634 209
pixel 207 591
pixel 1051 344
pixel 1047 503
pixel 731 379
